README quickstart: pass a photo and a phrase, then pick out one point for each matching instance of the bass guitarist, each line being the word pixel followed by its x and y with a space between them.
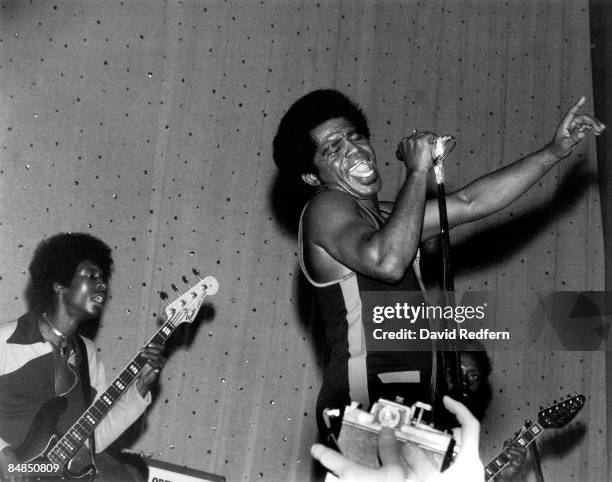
pixel 43 359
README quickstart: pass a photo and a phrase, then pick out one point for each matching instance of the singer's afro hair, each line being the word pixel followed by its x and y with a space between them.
pixel 55 260
pixel 293 146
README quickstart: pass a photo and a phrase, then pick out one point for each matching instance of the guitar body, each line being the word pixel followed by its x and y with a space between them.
pixel 42 438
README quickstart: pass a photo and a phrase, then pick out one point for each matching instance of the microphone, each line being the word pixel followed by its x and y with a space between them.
pixel 441 146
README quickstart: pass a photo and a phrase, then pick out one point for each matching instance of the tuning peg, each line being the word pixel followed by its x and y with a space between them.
pixel 541 408
pixel 176 290
pixel 554 402
pixel 196 272
pixel 164 296
pixel 184 278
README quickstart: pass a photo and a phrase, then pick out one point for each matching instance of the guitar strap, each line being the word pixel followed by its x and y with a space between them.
pixel 86 387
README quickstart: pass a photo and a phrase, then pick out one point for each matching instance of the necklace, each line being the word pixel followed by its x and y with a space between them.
pixel 63 344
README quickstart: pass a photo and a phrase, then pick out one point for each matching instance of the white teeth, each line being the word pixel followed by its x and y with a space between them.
pixel 355 166
pixel 361 170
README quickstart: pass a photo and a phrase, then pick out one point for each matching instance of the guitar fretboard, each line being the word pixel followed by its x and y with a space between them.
pixel 502 460
pixel 72 440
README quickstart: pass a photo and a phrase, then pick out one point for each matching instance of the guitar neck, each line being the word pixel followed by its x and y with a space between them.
pixel 69 444
pixel 524 439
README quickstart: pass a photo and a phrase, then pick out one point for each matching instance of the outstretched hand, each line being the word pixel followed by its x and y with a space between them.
pixel 467 466
pixel 572 129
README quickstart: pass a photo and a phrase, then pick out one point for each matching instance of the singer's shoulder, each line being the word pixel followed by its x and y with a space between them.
pixel 330 205
pixel 333 200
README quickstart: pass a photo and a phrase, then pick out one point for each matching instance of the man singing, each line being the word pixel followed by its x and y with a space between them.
pixel 43 357
pixel 349 242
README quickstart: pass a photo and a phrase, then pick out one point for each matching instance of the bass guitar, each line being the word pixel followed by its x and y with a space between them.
pixel 45 454
pixel 557 415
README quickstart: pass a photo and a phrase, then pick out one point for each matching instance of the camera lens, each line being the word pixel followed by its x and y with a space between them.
pixel 389 417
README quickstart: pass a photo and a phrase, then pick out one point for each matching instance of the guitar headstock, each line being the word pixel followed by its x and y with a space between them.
pixel 187 305
pixel 561 413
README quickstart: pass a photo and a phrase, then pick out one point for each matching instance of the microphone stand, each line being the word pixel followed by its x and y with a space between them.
pixel 450 359
pixel 447 272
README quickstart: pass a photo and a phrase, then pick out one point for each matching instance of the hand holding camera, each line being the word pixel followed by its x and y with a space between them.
pixel 420 460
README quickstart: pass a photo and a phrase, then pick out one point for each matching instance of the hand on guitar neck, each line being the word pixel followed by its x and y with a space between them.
pixel 517 457
pixel 153 352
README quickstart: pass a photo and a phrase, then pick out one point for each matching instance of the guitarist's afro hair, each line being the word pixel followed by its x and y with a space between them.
pixel 55 260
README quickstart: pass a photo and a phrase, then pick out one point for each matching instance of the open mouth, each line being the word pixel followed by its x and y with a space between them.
pixel 361 169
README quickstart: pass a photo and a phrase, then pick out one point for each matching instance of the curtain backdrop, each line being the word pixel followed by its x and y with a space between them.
pixel 150 123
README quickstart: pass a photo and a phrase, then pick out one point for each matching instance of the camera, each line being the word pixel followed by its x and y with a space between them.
pixel 358 439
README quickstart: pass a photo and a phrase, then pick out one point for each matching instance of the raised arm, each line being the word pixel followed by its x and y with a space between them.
pixel 335 223
pixel 496 190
